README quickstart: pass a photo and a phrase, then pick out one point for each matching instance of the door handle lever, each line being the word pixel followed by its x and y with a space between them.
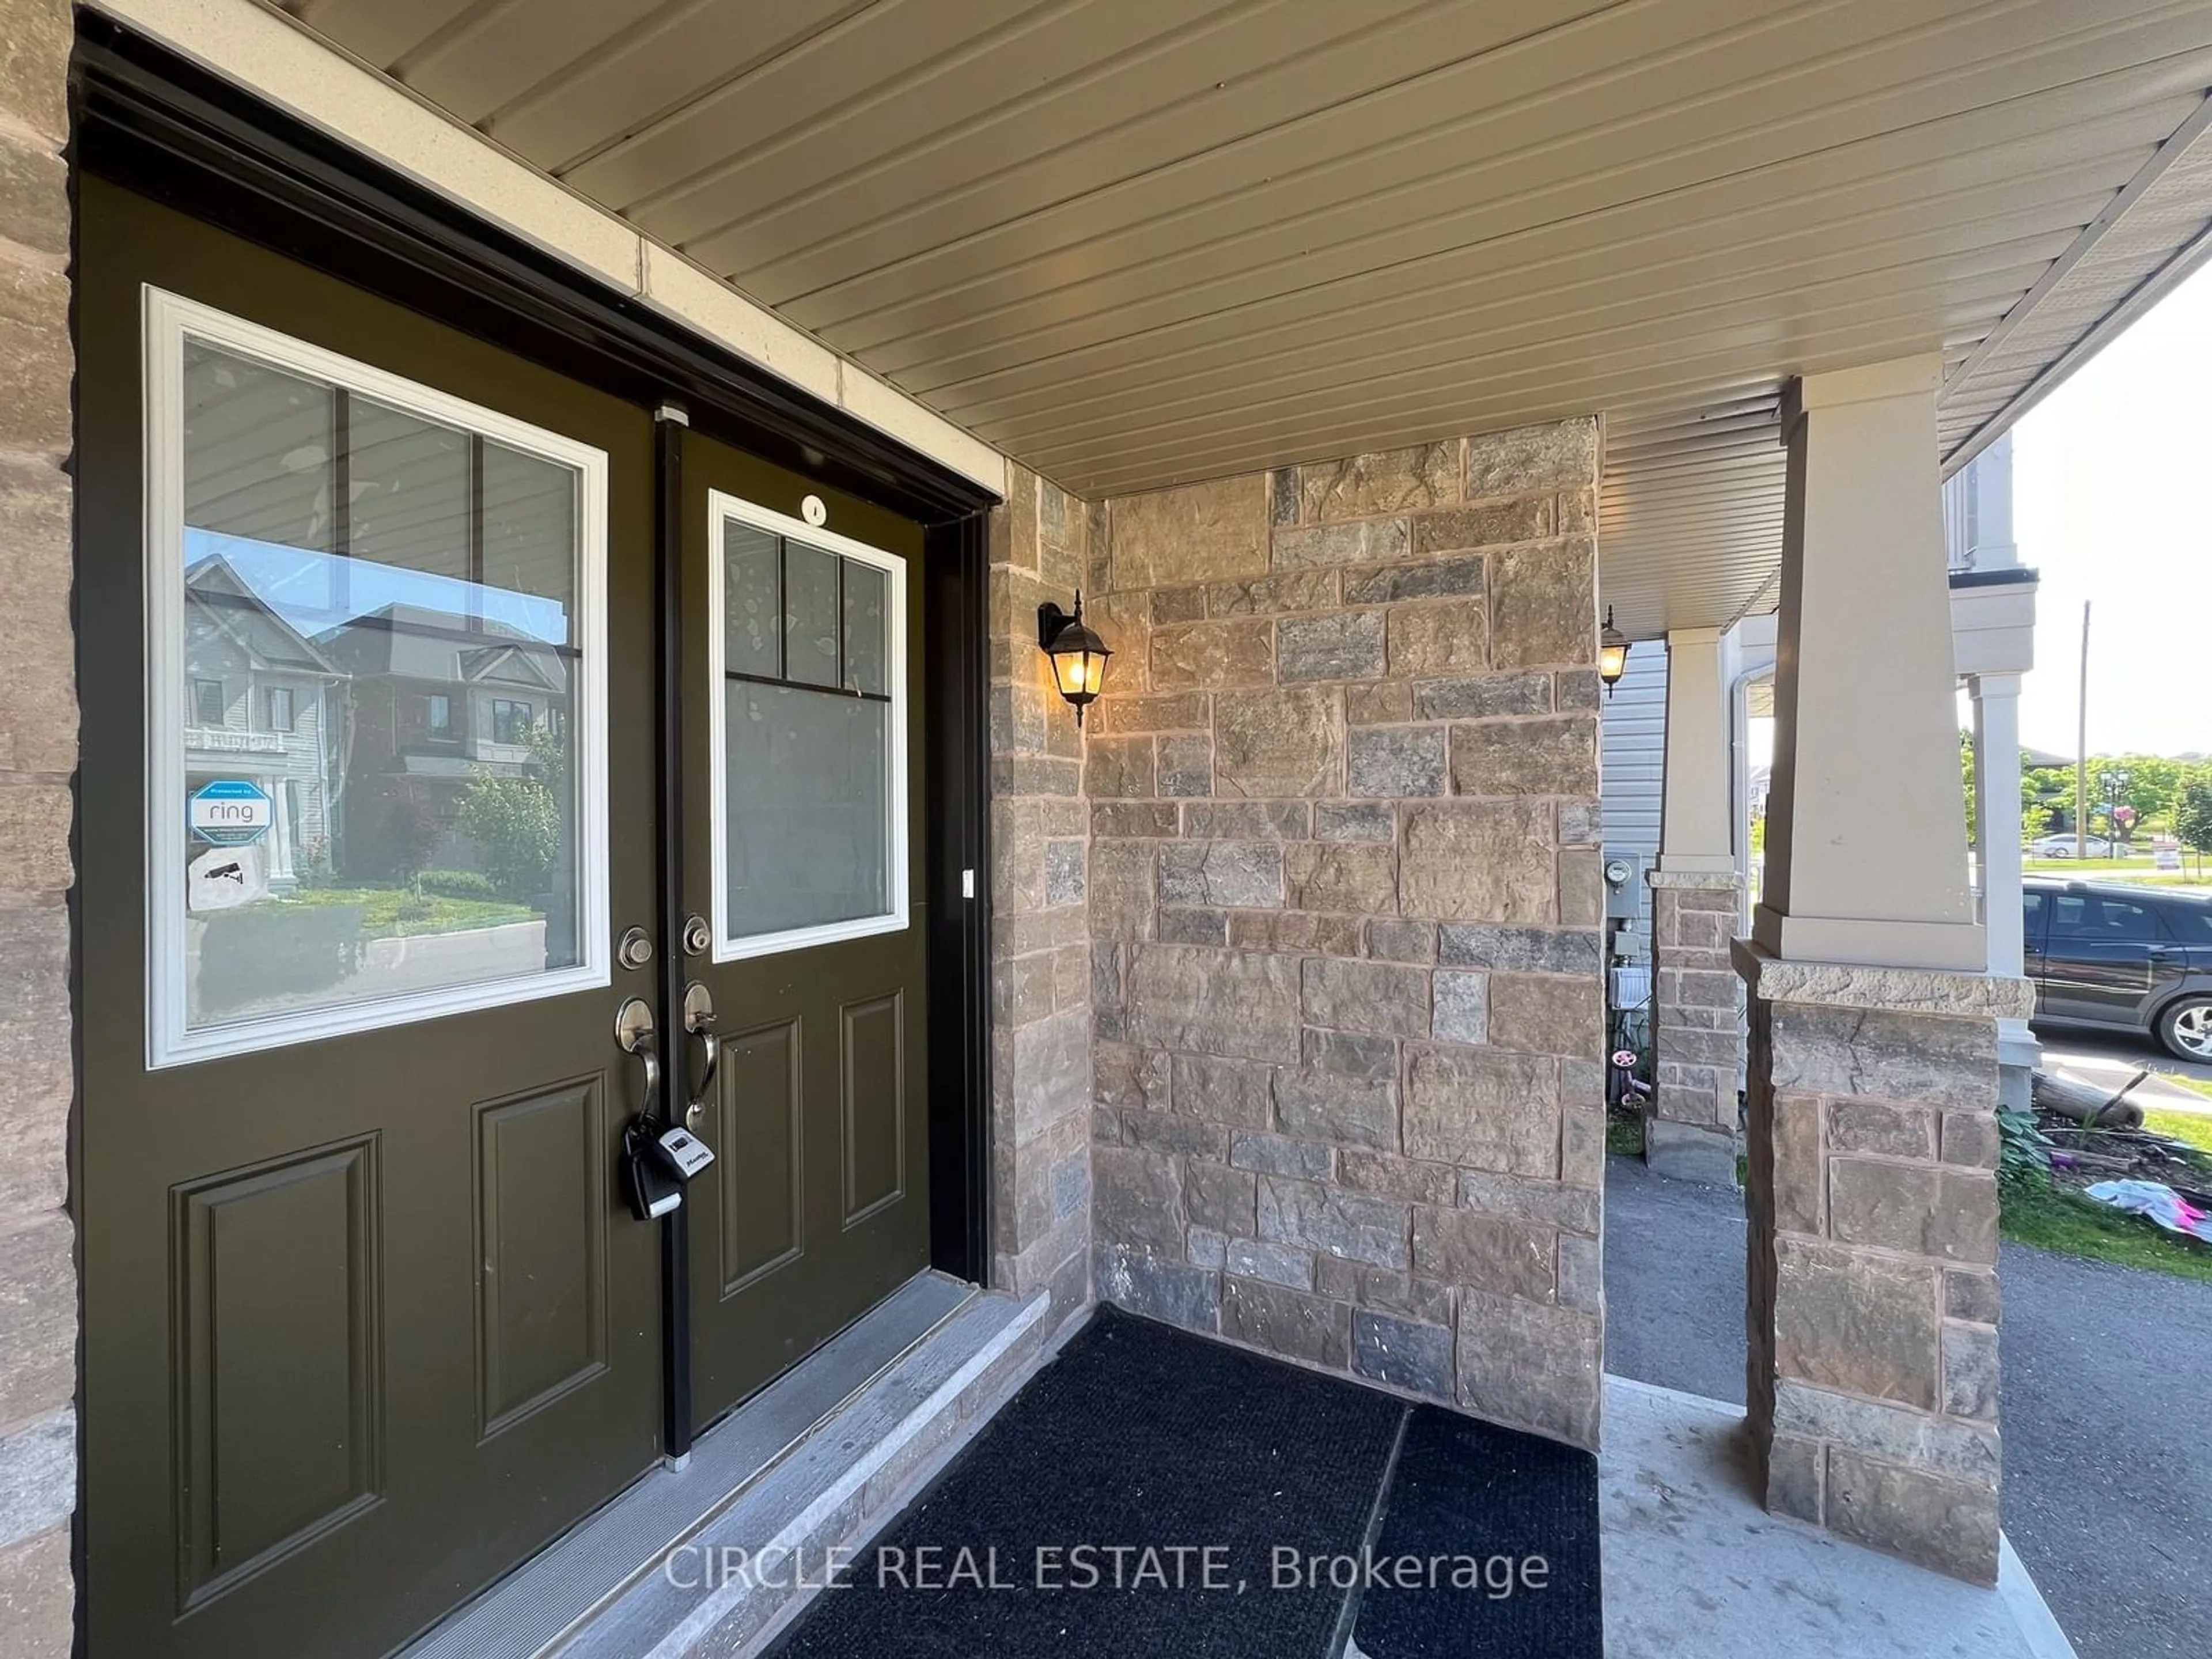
pixel 699 1022
pixel 633 1031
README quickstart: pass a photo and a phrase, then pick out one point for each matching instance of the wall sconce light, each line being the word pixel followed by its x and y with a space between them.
pixel 1612 653
pixel 1077 655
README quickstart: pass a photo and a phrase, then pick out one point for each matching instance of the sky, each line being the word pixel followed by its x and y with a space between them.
pixel 2113 504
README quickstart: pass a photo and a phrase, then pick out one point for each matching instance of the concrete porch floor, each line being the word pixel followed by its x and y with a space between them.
pixel 1694 1565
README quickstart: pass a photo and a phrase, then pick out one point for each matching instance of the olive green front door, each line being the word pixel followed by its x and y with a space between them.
pixel 802 678
pixel 370 832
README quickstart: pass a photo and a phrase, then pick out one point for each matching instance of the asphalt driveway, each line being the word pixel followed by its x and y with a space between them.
pixel 2108 1466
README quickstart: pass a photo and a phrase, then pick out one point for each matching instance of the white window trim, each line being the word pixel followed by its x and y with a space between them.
pixel 167 319
pixel 720 509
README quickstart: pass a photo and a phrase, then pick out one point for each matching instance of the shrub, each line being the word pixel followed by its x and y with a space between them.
pixel 457 884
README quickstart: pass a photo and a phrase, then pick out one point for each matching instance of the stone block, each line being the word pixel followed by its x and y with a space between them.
pixel 1962 1451
pixel 1403 1353
pixel 1185 766
pixel 1968 1294
pixel 38 1597
pixel 1155 820
pixel 1581 889
pixel 1971 1139
pixel 1547 1014
pixel 1206 1249
pixel 1287 745
pixel 1344 876
pixel 1794 1468
pixel 1581 1130
pixel 1279 1155
pixel 1440 637
pixel 1530 1365
pixel 1158 1289
pixel 1128 1078
pixel 1370 541
pixel 1478 861
pixel 1286 1322
pixel 1948 1525
pixel 1214 655
pixel 1221 1199
pixel 1389 481
pixel 1283 502
pixel 1401 941
pixel 1387 1175
pixel 38 1311
pixel 1438 579
pixel 1483 696
pixel 1352 1225
pixel 1582 1272
pixel 1294 933
pixel 1212 531
pixel 1576 1209
pixel 1233 1003
pixel 1175 1137
pixel 1490 524
pixel 1461 1011
pixel 1117 715
pixel 1351 1053
pixel 1290 590
pixel 1582 822
pixel 1226 1091
pixel 1378 703
pixel 1240 874
pixel 1559 455
pixel 1343 645
pixel 1868 1126
pixel 1522 950
pixel 1488 1252
pixel 1484 1109
pixel 1329 1106
pixel 1276 1264
pixel 1801 1175
pixel 1115 766
pixel 1929 1060
pixel 1543 606
pixel 1244 820
pixel 1373 997
pixel 1689 1151
pixel 1137 1198
pixel 1553 757
pixel 1178 605
pixel 1393 762
pixel 37 360
pixel 1354 820
pixel 1120 890
pixel 1861 1323
pixel 1947 1213
pixel 1577 687
pixel 1970 1372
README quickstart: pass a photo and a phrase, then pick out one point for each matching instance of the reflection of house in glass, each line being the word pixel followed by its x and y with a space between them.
pixel 367 727
pixel 258 706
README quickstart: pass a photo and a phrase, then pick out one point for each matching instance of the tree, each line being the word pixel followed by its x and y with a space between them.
pixel 2192 816
pixel 516 824
pixel 1966 777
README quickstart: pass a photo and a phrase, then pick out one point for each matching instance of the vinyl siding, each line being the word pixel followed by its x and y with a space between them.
pixel 1634 760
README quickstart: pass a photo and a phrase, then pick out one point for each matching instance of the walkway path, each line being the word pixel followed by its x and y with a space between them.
pixel 2107 1382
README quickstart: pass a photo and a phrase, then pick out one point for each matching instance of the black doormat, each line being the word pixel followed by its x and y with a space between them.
pixel 1150 1491
pixel 1491 1541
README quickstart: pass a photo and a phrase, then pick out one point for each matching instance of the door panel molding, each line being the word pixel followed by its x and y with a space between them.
pixel 277 1290
pixel 878 1057
pixel 750 1089
pixel 537 1272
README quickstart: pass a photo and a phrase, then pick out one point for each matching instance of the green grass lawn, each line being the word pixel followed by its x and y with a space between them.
pixel 2049 1218
pixel 2195 1128
pixel 398 913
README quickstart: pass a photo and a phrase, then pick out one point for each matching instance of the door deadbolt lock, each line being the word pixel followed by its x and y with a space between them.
pixel 697 936
pixel 635 949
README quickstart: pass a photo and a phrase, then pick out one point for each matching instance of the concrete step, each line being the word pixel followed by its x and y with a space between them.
pixel 825 1452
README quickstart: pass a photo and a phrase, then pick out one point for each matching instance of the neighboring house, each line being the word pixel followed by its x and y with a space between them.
pixel 1633 778
pixel 257 706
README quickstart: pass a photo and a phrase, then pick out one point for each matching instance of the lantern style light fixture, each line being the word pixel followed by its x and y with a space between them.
pixel 1077 655
pixel 1612 653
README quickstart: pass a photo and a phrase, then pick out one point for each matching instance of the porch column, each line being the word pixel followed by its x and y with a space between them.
pixel 1873 1146
pixel 1996 841
pixel 1689 1130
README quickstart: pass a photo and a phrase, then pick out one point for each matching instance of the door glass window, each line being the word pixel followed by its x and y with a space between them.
pixel 809 738
pixel 407 586
pixel 2090 918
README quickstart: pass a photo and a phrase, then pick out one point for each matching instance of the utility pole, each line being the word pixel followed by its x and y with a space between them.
pixel 2082 749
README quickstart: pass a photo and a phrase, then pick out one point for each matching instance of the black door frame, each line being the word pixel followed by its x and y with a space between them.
pixel 148 119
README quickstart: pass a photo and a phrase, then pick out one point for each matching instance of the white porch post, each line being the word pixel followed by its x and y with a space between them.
pixel 1689 1130
pixel 1872 1145
pixel 1996 815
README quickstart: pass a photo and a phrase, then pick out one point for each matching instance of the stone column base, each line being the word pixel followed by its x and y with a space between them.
pixel 1690 1126
pixel 1872 1380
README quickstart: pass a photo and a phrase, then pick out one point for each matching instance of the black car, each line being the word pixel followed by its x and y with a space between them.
pixel 2137 958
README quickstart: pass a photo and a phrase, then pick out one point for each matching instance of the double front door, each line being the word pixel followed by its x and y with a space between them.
pixel 373 873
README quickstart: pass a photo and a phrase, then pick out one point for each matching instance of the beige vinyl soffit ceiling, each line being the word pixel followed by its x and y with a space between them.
pixel 1134 242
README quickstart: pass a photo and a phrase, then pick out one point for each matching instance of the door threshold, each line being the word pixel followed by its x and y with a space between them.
pixel 878 1382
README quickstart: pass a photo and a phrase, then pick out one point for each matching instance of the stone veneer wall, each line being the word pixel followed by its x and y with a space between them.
pixel 1344 896
pixel 37 757
pixel 1872 1199
pixel 1040 940
pixel 1696 1027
